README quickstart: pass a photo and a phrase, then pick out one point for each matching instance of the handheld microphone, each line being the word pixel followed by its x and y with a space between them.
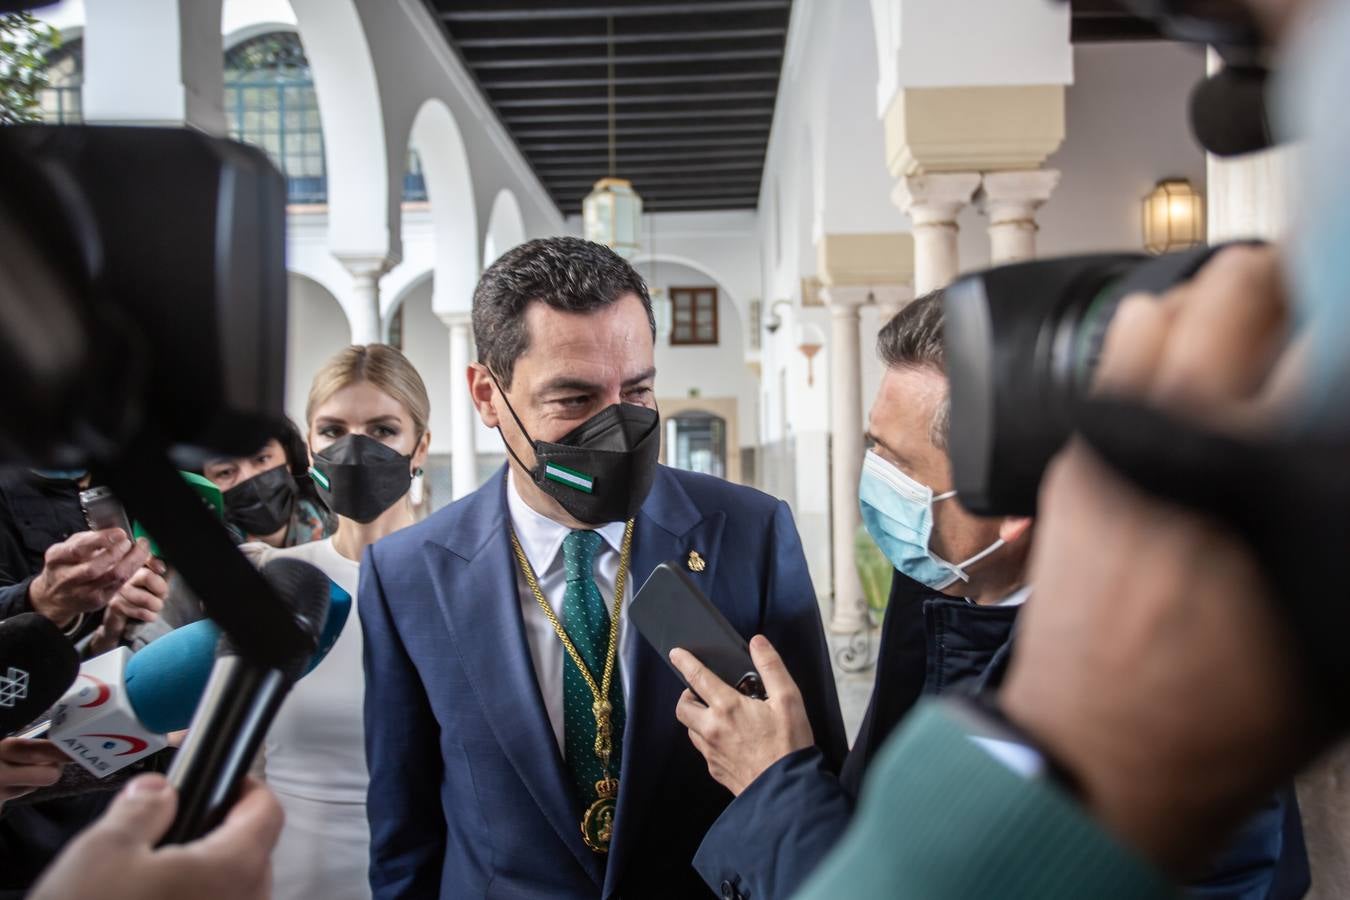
pixel 242 697
pixel 162 685
pixel 37 664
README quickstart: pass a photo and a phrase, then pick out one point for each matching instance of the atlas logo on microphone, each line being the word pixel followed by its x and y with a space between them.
pixel 13 687
pixel 94 694
pixel 95 723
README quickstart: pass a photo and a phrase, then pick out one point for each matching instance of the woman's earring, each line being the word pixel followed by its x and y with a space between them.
pixel 417 472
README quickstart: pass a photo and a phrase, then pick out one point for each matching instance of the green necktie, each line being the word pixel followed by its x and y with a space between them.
pixel 587 623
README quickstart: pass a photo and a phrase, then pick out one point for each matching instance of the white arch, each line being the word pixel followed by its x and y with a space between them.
pixel 363 210
pixel 317 328
pixel 406 290
pixel 445 167
pixel 505 228
pixel 256 29
pixel 647 259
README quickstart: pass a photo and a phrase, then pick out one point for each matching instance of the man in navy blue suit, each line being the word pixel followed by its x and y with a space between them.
pixel 520 736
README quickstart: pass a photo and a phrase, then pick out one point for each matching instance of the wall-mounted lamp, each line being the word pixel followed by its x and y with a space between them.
pixel 1174 217
pixel 810 340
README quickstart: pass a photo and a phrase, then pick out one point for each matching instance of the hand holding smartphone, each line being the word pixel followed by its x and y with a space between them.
pixel 670 611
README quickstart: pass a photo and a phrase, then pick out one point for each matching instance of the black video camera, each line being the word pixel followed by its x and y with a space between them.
pixel 1023 342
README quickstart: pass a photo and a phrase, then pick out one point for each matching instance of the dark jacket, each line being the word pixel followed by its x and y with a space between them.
pixel 469 796
pixel 783 825
pixel 36 513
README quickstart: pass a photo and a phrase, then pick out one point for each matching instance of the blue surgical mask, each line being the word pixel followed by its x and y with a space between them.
pixel 898 514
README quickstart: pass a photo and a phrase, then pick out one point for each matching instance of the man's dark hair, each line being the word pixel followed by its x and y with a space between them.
pixel 566 273
pixel 913 339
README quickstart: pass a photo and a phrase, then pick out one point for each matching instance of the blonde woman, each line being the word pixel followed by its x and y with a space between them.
pixel 366 423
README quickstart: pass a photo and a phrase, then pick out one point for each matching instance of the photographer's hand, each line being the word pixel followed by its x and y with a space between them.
pixel 116 857
pixel 1152 662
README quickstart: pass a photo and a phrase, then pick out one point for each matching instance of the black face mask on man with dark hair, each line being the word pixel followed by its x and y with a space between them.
pixel 359 478
pixel 602 470
pixel 263 504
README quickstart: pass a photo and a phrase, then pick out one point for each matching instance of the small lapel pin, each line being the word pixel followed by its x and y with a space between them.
pixel 696 562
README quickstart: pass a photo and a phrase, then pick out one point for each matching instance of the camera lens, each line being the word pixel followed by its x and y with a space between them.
pixel 1023 343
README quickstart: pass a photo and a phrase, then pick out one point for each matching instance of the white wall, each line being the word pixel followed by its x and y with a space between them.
pixel 316 329
pixel 1126 128
pixel 714 371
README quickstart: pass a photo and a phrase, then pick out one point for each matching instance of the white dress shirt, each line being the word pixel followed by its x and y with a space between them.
pixel 542 539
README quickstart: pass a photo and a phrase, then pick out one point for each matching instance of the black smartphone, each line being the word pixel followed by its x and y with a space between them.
pixel 103 510
pixel 670 611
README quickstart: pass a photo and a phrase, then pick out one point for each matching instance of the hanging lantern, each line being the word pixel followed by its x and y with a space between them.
pixel 611 215
pixel 1174 217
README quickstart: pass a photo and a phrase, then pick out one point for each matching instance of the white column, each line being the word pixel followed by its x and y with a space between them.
pixel 932 203
pixel 366 271
pixel 1010 200
pixel 463 453
pixel 846 451
pixel 154 62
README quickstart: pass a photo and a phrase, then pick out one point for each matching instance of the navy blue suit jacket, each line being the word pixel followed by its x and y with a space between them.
pixel 469 796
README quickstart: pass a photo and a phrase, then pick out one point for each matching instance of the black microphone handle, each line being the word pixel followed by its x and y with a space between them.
pixel 237 707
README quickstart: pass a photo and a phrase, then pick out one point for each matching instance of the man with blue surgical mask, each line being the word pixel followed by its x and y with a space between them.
pixel 960 582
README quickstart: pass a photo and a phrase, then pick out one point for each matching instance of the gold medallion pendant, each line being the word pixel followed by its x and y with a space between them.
pixel 597 826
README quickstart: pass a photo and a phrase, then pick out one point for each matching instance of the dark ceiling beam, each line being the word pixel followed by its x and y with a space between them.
pixel 693 95
pixel 695 111
pixel 582 164
pixel 504 11
pixel 500 42
pixel 622 131
pixel 532 148
pixel 592 174
pixel 518 84
pixel 495 61
pixel 645 186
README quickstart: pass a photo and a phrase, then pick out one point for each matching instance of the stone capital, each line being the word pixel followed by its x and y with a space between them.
pixel 365 265
pixel 844 300
pixel 935 199
pixel 459 319
pixel 980 128
pixel 1007 197
pixel 865 259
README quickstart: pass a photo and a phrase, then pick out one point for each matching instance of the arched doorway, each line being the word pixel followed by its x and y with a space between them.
pixel 696 441
pixel 505 228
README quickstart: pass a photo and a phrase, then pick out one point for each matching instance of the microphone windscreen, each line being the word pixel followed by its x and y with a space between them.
pixel 166 678
pixel 37 664
pixel 305 591
pixel 1228 111
pixel 339 608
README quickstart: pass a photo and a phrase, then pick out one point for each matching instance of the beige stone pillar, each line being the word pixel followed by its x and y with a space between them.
pixel 932 203
pixel 846 452
pixel 854 270
pixel 1010 200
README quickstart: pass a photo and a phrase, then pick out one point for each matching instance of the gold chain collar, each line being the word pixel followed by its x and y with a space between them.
pixel 600 693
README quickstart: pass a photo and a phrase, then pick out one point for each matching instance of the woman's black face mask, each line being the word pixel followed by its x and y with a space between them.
pixel 602 470
pixel 359 478
pixel 263 504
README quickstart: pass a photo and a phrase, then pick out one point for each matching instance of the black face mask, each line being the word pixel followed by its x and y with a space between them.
pixel 602 470
pixel 262 504
pixel 359 478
